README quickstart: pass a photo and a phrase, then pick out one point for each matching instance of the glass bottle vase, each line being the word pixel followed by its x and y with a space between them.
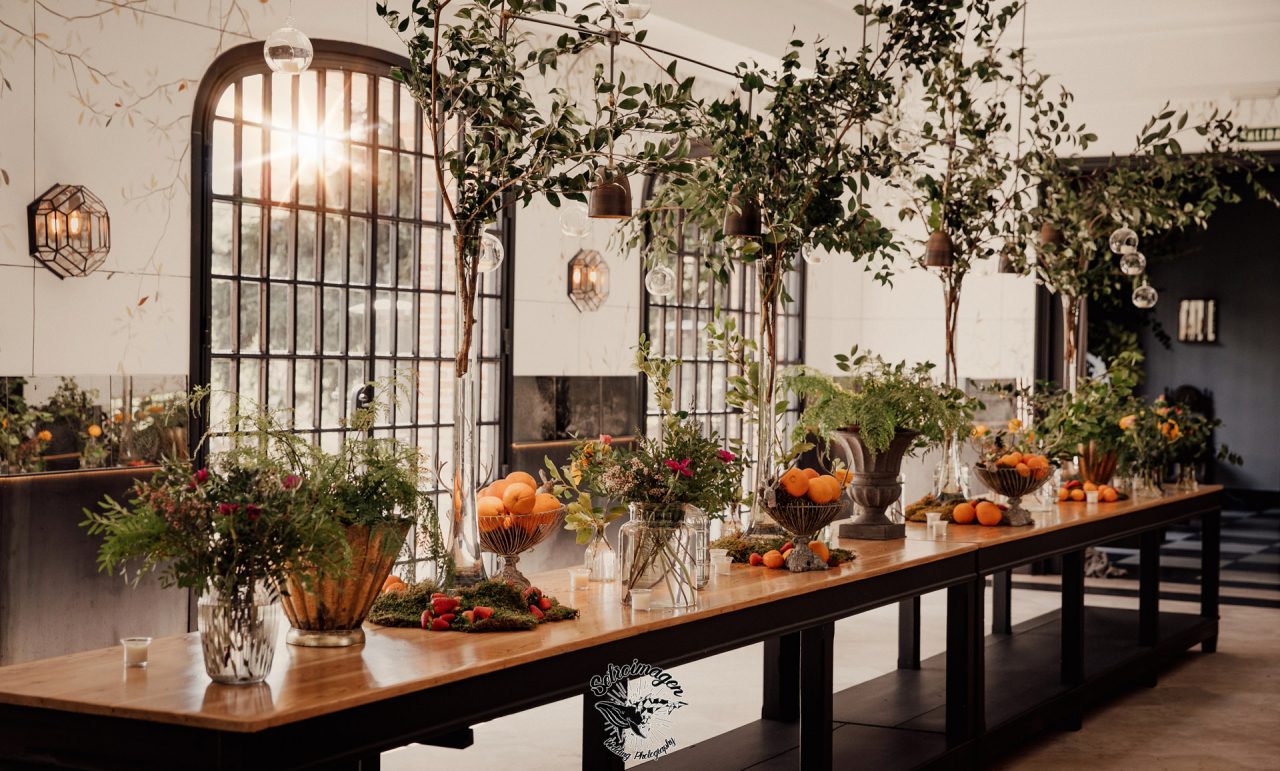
pixel 760 522
pixel 600 558
pixel 238 633
pixel 700 523
pixel 951 476
pixel 1187 481
pixel 465 564
pixel 658 548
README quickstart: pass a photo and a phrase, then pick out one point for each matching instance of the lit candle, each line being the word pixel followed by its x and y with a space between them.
pixel 135 651
pixel 579 579
pixel 641 599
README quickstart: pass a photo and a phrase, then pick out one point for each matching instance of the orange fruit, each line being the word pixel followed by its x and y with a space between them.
pixel 844 476
pixel 545 506
pixel 1036 461
pixel 988 514
pixel 1063 493
pixel 1090 487
pixel 963 513
pixel 490 511
pixel 394 584
pixel 819 548
pixel 809 473
pixel 1015 457
pixel 520 476
pixel 496 489
pixel 824 489
pixel 1077 494
pixel 1109 494
pixel 1023 470
pixel 1040 472
pixel 794 482
pixel 773 559
pixel 519 498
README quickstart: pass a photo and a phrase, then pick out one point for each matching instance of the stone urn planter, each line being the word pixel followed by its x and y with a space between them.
pixel 331 612
pixel 875 485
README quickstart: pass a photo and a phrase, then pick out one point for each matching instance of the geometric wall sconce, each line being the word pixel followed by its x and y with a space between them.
pixel 1198 321
pixel 68 230
pixel 588 280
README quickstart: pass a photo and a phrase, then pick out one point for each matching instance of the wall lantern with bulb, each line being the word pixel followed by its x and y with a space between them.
pixel 68 230
pixel 588 280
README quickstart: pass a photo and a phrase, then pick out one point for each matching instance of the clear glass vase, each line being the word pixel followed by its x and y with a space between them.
pixel 658 555
pixel 466 567
pixel 1072 358
pixel 1147 484
pixel 238 633
pixel 600 558
pixel 951 476
pixel 1187 481
pixel 700 523
pixel 760 522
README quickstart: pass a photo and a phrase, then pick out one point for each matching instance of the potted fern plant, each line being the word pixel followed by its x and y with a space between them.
pixel 878 414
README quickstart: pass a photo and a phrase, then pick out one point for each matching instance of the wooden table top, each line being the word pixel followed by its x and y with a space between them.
pixel 306 682
pixel 1064 515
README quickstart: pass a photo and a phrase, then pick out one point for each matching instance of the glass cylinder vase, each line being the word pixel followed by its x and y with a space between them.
pixel 238 633
pixel 600 558
pixel 700 523
pixel 951 476
pixel 1187 481
pixel 1147 483
pixel 465 567
pixel 1072 345
pixel 658 554
pixel 769 277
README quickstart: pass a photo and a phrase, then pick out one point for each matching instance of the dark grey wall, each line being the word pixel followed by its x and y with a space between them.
pixel 1236 262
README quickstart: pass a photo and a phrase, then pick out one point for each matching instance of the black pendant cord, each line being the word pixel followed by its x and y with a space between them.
pixel 613 37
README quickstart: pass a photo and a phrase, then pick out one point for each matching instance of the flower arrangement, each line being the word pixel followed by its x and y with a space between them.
pixel 1155 435
pixel 1067 422
pixel 21 441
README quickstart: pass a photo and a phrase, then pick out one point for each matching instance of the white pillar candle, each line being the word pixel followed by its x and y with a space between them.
pixel 722 565
pixel 579 579
pixel 1091 496
pixel 931 519
pixel 940 529
pixel 641 599
pixel 136 650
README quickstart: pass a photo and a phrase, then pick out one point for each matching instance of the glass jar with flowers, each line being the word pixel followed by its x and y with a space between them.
pixel 671 485
pixel 1193 448
pixel 1149 434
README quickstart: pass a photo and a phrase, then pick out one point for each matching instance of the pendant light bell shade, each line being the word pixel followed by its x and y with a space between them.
pixel 1050 235
pixel 610 195
pixel 939 251
pixel 1006 264
pixel 742 218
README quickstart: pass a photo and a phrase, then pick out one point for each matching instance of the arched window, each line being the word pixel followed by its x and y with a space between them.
pixel 321 254
pixel 677 327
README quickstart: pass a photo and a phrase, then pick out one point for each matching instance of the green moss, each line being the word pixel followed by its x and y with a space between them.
pixel 510 610
pixel 403 608
pixel 502 620
pixel 742 547
pixel 493 594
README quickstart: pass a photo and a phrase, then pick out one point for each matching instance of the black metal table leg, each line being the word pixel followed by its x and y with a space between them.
pixel 1210 549
pixel 909 633
pixel 781 678
pixel 1073 618
pixel 595 738
pixel 1002 602
pixel 1149 587
pixel 816 670
pixel 966 703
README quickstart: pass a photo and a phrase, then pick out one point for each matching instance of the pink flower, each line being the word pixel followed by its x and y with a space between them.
pixel 291 481
pixel 727 456
pixel 606 440
pixel 199 478
pixel 679 467
pixel 252 512
pixel 227 509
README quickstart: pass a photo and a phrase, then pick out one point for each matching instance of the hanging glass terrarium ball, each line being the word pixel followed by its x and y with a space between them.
pixel 1123 241
pixel 574 221
pixel 813 255
pixel 1133 263
pixel 1145 296
pixel 630 10
pixel 287 50
pixel 491 253
pixel 660 281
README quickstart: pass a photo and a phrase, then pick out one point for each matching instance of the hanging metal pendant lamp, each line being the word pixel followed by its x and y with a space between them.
pixel 742 218
pixel 939 252
pixel 610 195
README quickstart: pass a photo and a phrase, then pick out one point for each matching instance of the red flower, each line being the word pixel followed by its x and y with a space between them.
pixel 679 467
pixel 252 512
pixel 727 456
pixel 227 509
pixel 291 481
pixel 199 478
pixel 606 440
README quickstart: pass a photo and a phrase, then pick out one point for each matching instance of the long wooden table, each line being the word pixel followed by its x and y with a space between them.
pixel 340 708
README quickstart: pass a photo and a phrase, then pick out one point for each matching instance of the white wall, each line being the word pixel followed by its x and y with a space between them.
pixel 1122 60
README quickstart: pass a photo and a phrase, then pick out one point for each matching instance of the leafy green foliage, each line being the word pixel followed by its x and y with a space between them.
pixel 879 400
pixel 1064 421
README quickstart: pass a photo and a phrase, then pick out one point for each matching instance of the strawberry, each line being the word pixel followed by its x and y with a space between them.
pixel 786 547
pixel 537 612
pixel 442 605
pixel 438 596
pixel 755 560
pixel 531 591
pixel 426 619
pixel 448 618
pixel 469 616
pixel 832 561
pixel 544 603
pixel 439 625
pixel 482 612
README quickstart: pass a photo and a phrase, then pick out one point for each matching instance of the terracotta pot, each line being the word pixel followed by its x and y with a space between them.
pixel 329 614
pixel 875 485
pixel 1097 465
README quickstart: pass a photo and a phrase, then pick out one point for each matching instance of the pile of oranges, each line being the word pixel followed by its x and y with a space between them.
pixel 499 504
pixel 808 483
pixel 1075 491
pixel 1028 465
pixel 985 512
